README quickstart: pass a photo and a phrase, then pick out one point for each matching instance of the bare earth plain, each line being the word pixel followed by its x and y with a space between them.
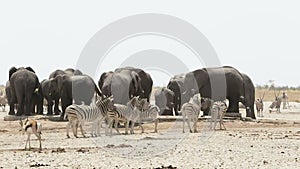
pixel 272 141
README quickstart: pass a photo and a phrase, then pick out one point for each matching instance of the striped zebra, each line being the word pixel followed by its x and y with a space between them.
pixel 78 114
pixel 218 111
pixel 124 114
pixel 147 113
pixel 190 112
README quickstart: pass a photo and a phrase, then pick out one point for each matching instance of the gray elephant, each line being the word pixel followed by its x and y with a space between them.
pixel 176 85
pixel 80 88
pixel 68 71
pixel 37 101
pixel 45 85
pixel 235 88
pixel 122 84
pixel 125 84
pixel 104 83
pixel 55 96
pixel 22 84
pixel 164 99
pixel 146 81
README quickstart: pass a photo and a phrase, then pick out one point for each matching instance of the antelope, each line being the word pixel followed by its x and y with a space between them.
pixel 260 106
pixel 276 104
pixel 31 127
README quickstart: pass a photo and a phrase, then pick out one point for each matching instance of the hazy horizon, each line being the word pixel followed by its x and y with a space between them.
pixel 258 38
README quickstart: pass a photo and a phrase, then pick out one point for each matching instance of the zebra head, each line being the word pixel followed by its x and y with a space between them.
pixel 143 104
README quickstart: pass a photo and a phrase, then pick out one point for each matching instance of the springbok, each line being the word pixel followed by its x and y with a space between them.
pixel 31 127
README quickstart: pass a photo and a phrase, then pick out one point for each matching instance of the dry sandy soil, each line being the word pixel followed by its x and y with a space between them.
pixel 269 142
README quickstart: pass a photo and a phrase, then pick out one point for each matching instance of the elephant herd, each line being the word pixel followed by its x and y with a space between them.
pixel 218 84
pixel 25 92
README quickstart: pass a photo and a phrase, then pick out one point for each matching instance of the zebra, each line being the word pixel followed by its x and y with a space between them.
pixel 124 114
pixel 147 113
pixel 260 106
pixel 276 103
pixel 218 111
pixel 78 114
pixel 190 112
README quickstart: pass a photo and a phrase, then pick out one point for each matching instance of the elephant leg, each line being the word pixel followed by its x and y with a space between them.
pixel 56 109
pixel 28 106
pixel 65 103
pixel 176 109
pixel 20 108
pixel 11 109
pixel 233 106
pixel 50 105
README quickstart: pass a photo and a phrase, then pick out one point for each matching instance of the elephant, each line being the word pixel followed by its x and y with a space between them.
pixel 45 85
pixel 37 101
pixel 68 71
pixel 55 96
pixel 125 84
pixel 236 87
pixel 176 85
pixel 146 81
pixel 164 99
pixel 79 88
pixel 10 101
pixel 22 84
pixel 104 83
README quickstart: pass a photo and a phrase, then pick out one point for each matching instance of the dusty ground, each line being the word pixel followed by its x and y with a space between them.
pixel 270 142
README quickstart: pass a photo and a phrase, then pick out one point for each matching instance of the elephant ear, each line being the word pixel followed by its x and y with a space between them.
pixel 30 69
pixel 12 70
pixel 59 81
pixel 136 80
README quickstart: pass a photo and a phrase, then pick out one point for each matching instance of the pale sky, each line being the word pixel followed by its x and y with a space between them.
pixel 259 38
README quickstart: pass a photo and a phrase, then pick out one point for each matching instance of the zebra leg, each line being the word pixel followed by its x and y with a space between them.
pixel 68 125
pixel 195 124
pixel 140 124
pixel 126 126
pixel 155 125
pixel 183 121
pixel 132 127
pixel 81 128
pixel 99 126
pixel 75 127
pixel 189 124
pixel 116 126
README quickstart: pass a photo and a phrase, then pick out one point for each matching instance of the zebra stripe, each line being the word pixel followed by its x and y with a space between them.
pixel 78 114
pixel 190 112
pixel 149 115
pixel 123 113
pixel 218 111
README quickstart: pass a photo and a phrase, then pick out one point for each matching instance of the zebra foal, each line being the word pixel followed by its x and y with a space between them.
pixel 78 114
